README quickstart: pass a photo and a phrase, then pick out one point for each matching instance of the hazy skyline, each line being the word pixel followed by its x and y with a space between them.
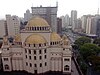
pixel 19 7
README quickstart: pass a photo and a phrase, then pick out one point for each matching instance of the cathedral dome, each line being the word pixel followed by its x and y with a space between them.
pixel 55 37
pixel 37 22
pixel 35 39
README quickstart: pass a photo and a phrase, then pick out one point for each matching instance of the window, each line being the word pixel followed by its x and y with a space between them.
pixel 29 51
pixel 29 45
pixel 66 59
pixel 39 51
pixel 40 57
pixel 6 67
pixel 26 64
pixel 39 45
pixel 40 64
pixel 30 57
pixel 44 44
pixel 35 65
pixel 45 51
pixel 45 64
pixel 37 28
pixel 35 71
pixel 34 51
pixel 7 48
pixel 45 56
pixel 34 45
pixel 34 57
pixel 66 68
pixel 26 56
pixel 30 65
pixel 50 43
pixel 5 59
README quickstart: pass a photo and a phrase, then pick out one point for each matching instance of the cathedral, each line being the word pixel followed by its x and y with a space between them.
pixel 37 50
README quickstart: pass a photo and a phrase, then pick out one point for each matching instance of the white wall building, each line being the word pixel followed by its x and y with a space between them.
pixel 37 50
pixel 13 25
pixel 2 28
pixel 74 19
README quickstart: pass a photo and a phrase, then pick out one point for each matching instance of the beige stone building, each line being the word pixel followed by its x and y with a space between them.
pixel 37 50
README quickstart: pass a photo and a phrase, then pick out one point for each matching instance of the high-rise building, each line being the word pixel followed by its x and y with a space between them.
pixel 59 25
pixel 48 13
pixel 90 26
pixel 67 20
pixel 84 22
pixel 74 19
pixel 2 28
pixel 27 15
pixel 63 21
pixel 13 25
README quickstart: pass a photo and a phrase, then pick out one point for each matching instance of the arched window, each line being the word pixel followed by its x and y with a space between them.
pixel 66 68
pixel 6 67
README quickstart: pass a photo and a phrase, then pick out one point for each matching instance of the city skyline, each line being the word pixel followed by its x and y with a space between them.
pixel 18 8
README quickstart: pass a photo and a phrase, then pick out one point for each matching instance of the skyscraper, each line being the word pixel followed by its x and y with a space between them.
pixel 74 19
pixel 13 25
pixel 27 15
pixel 48 13
pixel 2 28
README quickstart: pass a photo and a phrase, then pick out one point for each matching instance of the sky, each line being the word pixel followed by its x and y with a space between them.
pixel 19 7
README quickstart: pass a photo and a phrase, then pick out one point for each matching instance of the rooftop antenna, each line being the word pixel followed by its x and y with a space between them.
pixel 98 8
pixel 57 4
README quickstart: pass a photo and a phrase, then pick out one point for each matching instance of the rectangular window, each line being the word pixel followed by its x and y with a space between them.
pixel 5 59
pixel 45 51
pixel 40 57
pixel 29 51
pixel 39 51
pixel 34 51
pixel 30 57
pixel 26 64
pixel 45 64
pixel 40 64
pixel 26 56
pixel 34 57
pixel 45 56
pixel 66 59
pixel 35 65
pixel 30 65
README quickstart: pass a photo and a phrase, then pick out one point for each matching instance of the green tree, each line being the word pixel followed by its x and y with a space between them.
pixel 89 49
pixel 82 40
pixel 97 41
pixel 95 60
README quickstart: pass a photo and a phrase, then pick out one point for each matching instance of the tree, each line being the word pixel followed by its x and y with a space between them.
pixel 89 49
pixel 82 40
pixel 97 41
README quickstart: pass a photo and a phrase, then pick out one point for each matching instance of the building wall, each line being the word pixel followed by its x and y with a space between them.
pixel 74 19
pixel 2 28
pixel 13 25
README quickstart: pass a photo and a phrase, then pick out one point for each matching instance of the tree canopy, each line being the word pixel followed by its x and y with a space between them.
pixel 82 40
pixel 89 49
pixel 97 41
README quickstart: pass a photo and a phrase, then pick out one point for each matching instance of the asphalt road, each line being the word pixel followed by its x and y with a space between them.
pixel 74 69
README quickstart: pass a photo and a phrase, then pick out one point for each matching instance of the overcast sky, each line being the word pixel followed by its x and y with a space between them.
pixel 19 7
